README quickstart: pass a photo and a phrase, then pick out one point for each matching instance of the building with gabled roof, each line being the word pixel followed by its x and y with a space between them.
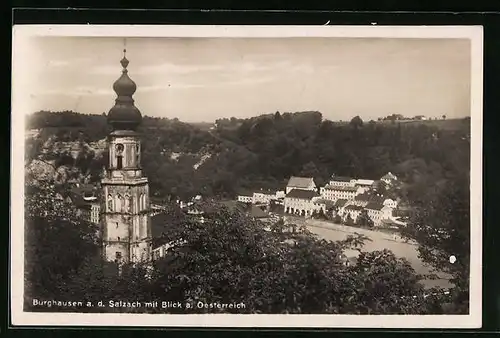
pixel 300 183
pixel 389 178
pixel 334 192
pixel 263 196
pixel 302 194
pixel 301 202
pixel 378 212
pixel 340 203
pixel 351 210
pixel 342 181
pixel 85 198
pixel 364 183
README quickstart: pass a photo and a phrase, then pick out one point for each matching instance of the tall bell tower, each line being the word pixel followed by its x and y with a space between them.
pixel 126 221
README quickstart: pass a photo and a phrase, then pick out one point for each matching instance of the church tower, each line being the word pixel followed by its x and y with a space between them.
pixel 126 234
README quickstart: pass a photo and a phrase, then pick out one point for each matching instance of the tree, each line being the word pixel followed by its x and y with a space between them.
pixel 364 220
pixel 441 226
pixel 297 273
pixel 356 122
pixel 56 241
pixel 444 117
pixel 230 258
pixel 348 220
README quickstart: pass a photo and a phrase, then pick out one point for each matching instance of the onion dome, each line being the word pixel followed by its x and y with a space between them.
pixel 124 115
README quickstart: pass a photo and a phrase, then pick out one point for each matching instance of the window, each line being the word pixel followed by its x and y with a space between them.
pixel 128 203
pixel 118 255
pixel 118 238
pixel 119 203
pixel 110 203
pixel 119 162
pixel 119 155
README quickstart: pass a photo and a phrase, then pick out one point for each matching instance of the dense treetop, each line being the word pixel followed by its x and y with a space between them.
pixel 264 151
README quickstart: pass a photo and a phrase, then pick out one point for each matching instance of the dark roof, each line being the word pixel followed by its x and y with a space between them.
pixel 245 193
pixel 302 194
pixel 377 199
pixel 354 207
pixel 78 201
pixel 124 115
pixel 340 179
pixel 326 202
pixel 265 192
pixel 340 202
pixel 374 206
pixel 257 212
pixel 363 197
pixel 300 182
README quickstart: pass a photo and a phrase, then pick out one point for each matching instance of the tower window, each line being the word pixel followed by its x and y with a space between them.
pixel 110 203
pixel 128 203
pixel 119 155
pixel 119 162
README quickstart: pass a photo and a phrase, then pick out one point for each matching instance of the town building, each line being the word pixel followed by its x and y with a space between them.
pixel 364 183
pixel 342 181
pixel 389 178
pixel 245 198
pixel 300 202
pixel 390 203
pixel 335 192
pixel 126 233
pixel 300 183
pixel 378 212
pixel 85 198
pixel 362 199
pixel 353 211
pixel 322 204
pixel 263 196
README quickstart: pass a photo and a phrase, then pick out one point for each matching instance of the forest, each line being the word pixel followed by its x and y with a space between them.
pixel 231 258
pixel 219 261
pixel 264 151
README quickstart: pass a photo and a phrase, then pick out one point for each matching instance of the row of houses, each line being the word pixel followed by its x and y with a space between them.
pixel 345 196
pixel 261 196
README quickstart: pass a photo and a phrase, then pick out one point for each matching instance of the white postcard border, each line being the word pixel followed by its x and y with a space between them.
pixel 21 35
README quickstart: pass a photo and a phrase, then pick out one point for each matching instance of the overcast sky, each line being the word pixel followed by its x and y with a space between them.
pixel 202 79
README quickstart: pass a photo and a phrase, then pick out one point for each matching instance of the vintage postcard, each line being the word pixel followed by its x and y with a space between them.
pixel 247 176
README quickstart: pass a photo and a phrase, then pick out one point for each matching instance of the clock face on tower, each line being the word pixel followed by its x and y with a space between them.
pixel 119 148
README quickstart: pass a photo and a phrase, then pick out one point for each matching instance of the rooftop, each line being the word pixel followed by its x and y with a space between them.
pixel 340 178
pixel 354 207
pixel 389 176
pixel 302 194
pixel 363 197
pixel 340 202
pixel 364 182
pixel 374 206
pixel 300 182
pixel 257 212
pixel 340 188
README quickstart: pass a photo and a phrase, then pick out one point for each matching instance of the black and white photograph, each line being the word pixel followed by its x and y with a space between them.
pixel 246 176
